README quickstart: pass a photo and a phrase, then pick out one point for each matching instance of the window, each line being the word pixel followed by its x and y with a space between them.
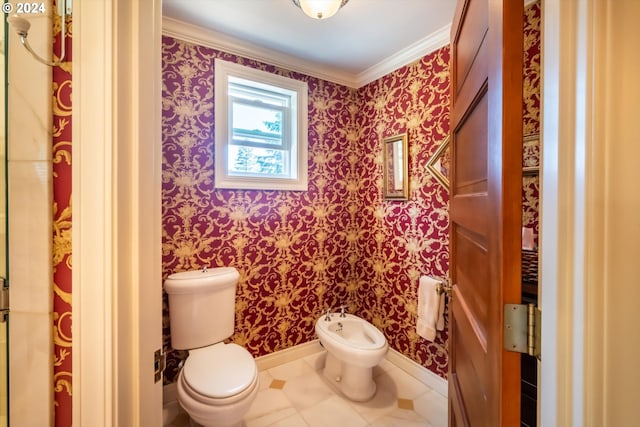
pixel 261 129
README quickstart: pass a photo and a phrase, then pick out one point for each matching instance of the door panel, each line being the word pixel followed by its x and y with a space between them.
pixel 470 37
pixel 471 141
pixel 472 272
pixel 485 210
pixel 475 376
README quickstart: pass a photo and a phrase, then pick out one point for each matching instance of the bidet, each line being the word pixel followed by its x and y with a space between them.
pixel 354 346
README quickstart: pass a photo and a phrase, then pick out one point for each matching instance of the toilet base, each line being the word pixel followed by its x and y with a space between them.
pixel 354 382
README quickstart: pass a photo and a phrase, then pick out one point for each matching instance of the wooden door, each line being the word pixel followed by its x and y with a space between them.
pixel 486 185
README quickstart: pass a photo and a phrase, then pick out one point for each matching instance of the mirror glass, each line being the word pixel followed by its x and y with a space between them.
pixel 440 163
pixel 396 174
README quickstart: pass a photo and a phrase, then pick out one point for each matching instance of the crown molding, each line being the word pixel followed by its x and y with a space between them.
pixel 432 42
pixel 216 40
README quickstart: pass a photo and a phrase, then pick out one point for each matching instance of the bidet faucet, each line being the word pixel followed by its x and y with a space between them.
pixel 342 314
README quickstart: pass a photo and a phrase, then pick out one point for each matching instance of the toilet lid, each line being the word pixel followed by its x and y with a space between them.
pixel 220 370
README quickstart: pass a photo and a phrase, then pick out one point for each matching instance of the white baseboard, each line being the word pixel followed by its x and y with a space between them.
pixel 290 354
pixel 422 374
pixel 169 393
pixel 268 361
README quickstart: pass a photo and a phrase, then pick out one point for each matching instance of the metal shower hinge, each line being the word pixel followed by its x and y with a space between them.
pixel 65 7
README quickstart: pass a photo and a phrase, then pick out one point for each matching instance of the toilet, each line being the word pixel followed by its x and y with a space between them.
pixel 218 382
pixel 354 346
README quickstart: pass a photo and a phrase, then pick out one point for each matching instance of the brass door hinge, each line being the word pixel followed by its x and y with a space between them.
pixel 522 329
pixel 159 363
pixel 4 300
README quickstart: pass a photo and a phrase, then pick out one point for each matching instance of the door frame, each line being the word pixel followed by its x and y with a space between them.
pixel 581 40
pixel 116 165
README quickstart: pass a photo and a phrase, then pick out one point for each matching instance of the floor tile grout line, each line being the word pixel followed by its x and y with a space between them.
pixel 354 406
pixel 310 365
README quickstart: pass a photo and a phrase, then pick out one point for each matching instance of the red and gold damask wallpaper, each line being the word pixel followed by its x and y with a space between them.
pixel 531 118
pixel 400 241
pixel 61 154
pixel 531 74
pixel 300 253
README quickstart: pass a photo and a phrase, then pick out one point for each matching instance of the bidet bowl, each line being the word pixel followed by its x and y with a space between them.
pixel 352 339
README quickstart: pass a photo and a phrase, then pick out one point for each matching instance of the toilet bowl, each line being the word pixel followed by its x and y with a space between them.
pixel 354 346
pixel 218 384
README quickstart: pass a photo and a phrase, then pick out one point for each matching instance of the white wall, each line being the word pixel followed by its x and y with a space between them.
pixel 621 139
pixel 30 228
pixel 590 237
pixel 116 201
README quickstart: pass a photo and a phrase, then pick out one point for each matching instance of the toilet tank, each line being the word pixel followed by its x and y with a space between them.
pixel 201 306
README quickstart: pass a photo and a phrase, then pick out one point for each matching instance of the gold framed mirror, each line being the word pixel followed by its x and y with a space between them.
pixel 439 163
pixel 395 150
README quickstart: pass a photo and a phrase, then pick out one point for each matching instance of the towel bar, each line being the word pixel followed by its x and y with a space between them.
pixel 443 287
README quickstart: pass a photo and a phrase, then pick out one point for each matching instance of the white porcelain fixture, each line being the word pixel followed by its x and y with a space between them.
pixel 218 381
pixel 354 346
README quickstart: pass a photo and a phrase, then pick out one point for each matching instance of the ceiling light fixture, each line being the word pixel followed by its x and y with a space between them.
pixel 320 9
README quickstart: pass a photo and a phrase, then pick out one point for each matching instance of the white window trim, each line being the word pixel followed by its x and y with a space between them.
pixel 223 70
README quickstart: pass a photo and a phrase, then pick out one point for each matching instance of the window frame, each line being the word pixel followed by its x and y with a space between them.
pixel 297 137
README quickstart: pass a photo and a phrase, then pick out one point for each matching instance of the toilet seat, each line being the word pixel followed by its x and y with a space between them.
pixel 219 374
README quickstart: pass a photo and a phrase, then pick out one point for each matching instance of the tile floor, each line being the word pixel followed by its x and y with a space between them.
pixel 296 394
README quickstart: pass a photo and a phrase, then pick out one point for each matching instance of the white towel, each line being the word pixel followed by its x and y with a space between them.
pixel 430 308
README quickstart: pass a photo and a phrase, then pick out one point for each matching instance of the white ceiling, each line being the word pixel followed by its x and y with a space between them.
pixel 363 41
